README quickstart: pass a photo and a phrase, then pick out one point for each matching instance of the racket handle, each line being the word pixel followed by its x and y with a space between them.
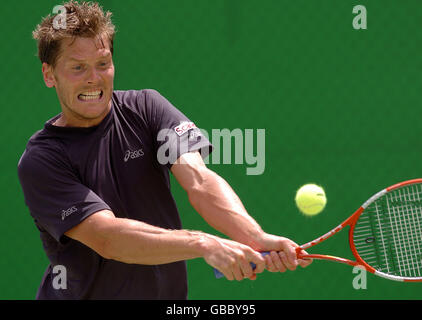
pixel 219 275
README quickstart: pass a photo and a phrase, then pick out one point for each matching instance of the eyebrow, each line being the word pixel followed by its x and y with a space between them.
pixel 102 57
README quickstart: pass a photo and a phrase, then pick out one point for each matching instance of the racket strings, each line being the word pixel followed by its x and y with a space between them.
pixel 408 227
pixel 388 234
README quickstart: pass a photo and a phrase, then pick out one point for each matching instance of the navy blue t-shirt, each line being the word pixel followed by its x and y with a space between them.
pixel 69 173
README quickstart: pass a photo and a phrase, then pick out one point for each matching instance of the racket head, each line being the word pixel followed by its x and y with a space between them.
pixel 386 232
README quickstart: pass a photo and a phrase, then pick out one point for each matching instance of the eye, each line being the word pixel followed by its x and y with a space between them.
pixel 77 67
pixel 103 64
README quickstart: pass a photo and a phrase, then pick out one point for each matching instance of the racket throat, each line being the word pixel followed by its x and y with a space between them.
pixel 326 257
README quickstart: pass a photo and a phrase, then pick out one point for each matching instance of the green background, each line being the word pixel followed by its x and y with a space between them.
pixel 341 108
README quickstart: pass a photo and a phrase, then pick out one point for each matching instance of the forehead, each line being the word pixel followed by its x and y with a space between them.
pixel 81 48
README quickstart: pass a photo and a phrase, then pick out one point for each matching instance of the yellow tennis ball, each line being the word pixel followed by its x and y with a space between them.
pixel 310 199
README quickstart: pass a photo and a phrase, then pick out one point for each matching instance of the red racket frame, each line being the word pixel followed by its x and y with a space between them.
pixel 351 221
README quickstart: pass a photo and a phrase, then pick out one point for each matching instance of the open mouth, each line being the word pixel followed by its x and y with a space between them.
pixel 91 95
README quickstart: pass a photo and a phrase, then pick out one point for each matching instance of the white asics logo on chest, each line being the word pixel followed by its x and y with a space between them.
pixel 133 154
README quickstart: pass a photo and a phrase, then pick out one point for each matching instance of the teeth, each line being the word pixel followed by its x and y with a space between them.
pixel 90 95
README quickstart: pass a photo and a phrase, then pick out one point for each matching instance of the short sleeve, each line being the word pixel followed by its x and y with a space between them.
pixel 174 133
pixel 56 199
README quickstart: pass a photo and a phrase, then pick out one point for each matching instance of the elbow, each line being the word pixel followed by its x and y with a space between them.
pixel 114 245
pixel 104 249
pixel 110 252
pixel 105 244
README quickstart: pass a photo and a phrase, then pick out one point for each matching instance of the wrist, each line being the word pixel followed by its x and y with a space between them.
pixel 260 241
pixel 253 238
pixel 199 242
pixel 256 241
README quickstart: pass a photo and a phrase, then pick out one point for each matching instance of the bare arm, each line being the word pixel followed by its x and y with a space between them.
pixel 217 203
pixel 132 241
pixel 214 199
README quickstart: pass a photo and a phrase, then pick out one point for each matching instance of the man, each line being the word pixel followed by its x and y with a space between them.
pixel 99 194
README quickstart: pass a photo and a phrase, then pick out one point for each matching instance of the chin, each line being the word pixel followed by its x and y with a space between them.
pixel 92 110
pixel 95 111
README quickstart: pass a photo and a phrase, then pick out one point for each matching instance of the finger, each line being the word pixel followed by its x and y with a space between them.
pixel 269 264
pixel 278 263
pixel 231 270
pixel 303 261
pixel 246 269
pixel 286 262
pixel 291 256
pixel 237 272
pixel 227 274
pixel 259 262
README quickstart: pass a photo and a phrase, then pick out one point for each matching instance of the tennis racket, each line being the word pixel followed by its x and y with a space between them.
pixel 385 234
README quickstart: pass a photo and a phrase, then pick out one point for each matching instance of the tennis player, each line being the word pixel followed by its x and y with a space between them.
pixel 101 198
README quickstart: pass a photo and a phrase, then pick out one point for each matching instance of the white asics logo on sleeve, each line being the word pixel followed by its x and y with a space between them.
pixel 68 212
pixel 133 154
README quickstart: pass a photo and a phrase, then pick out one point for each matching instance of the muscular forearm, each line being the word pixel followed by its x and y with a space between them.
pixel 218 204
pixel 131 241
pixel 135 242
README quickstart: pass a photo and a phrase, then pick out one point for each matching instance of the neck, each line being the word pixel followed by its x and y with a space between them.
pixel 74 120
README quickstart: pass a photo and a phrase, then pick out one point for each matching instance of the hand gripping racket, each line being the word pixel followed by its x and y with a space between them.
pixel 385 234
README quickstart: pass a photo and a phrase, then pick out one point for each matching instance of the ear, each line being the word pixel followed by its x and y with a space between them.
pixel 47 71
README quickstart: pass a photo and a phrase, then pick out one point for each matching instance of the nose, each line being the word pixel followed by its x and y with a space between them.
pixel 92 75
